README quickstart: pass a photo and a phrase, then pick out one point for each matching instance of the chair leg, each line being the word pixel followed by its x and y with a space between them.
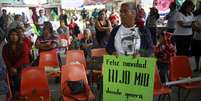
pixel 187 94
pixel 179 91
pixel 163 98
pixel 169 98
pixel 159 98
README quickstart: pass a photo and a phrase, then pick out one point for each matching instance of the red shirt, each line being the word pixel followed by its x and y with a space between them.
pixel 165 50
pixel 140 18
pixel 14 61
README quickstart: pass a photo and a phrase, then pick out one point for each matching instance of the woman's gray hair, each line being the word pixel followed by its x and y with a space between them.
pixel 131 6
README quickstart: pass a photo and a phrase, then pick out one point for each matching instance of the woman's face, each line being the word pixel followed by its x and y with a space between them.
pixel 102 15
pixel 14 37
pixel 127 17
pixel 189 8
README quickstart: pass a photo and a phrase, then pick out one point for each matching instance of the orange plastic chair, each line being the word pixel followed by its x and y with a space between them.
pixel 73 56
pixel 50 58
pixel 74 72
pixel 159 89
pixel 34 85
pixel 181 68
pixel 97 53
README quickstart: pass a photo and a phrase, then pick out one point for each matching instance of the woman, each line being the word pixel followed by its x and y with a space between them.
pixel 48 40
pixel 63 29
pixel 103 28
pixel 196 43
pixel 16 57
pixel 183 30
pixel 125 39
pixel 151 23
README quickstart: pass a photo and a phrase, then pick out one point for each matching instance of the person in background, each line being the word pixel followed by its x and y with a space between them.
pixel 16 57
pixel 198 10
pixel 183 31
pixel 114 18
pixel 151 23
pixel 4 20
pixel 91 26
pixel 10 19
pixel 95 13
pixel 74 28
pixel 171 17
pixel 4 89
pixel 63 29
pixel 20 31
pixel 17 22
pixel 24 18
pixel 87 43
pixel 196 42
pixel 103 28
pixel 35 18
pixel 125 39
pixel 84 13
pixel 164 51
pixel 41 19
pixel 141 16
pixel 48 40
pixel 63 17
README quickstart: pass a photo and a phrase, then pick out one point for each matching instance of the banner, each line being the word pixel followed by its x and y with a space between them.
pixel 126 78
pixel 7 1
pixel 71 4
pixel 90 2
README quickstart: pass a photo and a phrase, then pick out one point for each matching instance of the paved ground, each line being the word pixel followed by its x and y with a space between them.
pixel 195 95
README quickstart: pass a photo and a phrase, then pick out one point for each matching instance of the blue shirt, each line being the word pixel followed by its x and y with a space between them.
pixel 3 83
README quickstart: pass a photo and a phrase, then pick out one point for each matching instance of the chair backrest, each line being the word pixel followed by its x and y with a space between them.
pixel 98 52
pixel 73 72
pixel 76 56
pixel 49 58
pixel 179 68
pixel 34 84
pixel 157 80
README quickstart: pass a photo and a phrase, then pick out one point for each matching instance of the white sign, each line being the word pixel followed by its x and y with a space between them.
pixel 66 4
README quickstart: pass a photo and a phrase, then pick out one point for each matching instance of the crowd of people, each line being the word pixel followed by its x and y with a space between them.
pixel 128 32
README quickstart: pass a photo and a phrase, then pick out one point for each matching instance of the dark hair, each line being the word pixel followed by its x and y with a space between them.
pixel 9 33
pixel 131 6
pixel 19 45
pixel 17 16
pixel 4 10
pixel 20 28
pixel 185 5
pixel 101 11
pixel 48 26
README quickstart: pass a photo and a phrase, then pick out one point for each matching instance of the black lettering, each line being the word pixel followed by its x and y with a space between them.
pixel 141 79
pixel 113 75
pixel 116 76
pixel 109 75
pixel 127 81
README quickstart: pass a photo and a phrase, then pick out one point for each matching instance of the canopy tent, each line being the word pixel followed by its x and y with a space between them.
pixel 7 1
pixel 71 4
pixel 91 2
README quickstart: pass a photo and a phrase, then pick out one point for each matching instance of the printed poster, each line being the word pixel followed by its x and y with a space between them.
pixel 128 78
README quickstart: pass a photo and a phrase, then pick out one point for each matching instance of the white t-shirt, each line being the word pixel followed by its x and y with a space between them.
pixel 172 19
pixel 187 20
pixel 42 19
pixel 127 40
pixel 197 35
